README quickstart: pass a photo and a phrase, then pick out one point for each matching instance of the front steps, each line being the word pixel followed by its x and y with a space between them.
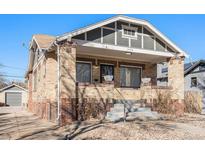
pixel 129 111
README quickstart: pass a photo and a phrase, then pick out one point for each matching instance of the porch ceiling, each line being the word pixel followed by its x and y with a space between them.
pixel 123 54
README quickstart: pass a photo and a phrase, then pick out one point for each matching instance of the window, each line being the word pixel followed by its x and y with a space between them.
pixel 44 71
pixel 39 72
pixel 130 76
pixel 193 82
pixel 106 70
pixel 34 80
pixel 83 72
pixel 129 31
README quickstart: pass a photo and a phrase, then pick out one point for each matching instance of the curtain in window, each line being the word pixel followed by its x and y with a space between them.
pixel 130 77
pixel 106 70
pixel 83 72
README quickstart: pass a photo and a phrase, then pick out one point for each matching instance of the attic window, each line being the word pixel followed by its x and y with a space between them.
pixel 129 31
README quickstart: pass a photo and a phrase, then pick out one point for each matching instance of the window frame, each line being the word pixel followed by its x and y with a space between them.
pixel 101 70
pixel 192 85
pixel 91 71
pixel 131 66
pixel 132 29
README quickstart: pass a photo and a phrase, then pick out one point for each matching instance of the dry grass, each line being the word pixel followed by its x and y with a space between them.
pixel 179 128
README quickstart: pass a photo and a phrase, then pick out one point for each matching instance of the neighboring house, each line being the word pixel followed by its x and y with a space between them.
pixel 104 61
pixel 13 95
pixel 194 74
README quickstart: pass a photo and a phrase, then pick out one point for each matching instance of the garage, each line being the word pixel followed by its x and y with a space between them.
pixel 13 95
pixel 13 98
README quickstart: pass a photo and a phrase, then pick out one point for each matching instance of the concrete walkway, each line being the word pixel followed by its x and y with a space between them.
pixel 17 123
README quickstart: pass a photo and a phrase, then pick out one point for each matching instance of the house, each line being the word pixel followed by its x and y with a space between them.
pixel 194 74
pixel 13 95
pixel 114 59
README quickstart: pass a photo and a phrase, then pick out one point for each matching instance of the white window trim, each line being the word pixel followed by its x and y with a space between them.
pixel 129 28
pixel 91 71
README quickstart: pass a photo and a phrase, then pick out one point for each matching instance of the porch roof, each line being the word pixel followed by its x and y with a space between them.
pixel 116 52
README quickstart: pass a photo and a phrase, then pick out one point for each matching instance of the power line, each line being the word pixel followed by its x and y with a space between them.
pixel 12 67
pixel 12 76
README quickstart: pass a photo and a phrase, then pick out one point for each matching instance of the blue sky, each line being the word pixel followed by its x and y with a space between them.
pixel 187 31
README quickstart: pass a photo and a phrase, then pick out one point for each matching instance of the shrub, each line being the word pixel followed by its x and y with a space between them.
pixel 193 102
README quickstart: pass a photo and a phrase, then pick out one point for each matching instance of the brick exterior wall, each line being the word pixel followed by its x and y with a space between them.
pixel 67 82
pixel 42 101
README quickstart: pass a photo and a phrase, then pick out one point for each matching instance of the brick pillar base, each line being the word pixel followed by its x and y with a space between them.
pixel 68 111
pixel 177 107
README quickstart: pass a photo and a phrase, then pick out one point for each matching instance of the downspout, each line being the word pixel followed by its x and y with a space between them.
pixel 58 84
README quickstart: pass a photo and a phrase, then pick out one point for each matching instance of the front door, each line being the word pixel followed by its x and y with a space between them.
pixel 106 70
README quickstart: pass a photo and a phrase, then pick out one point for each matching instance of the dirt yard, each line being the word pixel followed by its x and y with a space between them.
pixel 189 127
pixel 16 123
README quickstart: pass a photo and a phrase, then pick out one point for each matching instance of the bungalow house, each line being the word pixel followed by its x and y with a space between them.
pixel 114 59
pixel 194 74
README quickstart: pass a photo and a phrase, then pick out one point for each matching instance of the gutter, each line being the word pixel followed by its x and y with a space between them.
pixel 58 84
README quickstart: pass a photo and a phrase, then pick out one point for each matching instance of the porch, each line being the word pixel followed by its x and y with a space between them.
pixel 111 74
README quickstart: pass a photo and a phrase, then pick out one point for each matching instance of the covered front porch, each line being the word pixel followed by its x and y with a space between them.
pixel 115 74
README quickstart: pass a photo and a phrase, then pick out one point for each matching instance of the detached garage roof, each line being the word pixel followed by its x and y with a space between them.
pixel 11 86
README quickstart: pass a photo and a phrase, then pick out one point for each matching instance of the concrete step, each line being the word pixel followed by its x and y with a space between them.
pixel 114 119
pixel 118 110
pixel 118 105
pixel 142 116
pixel 119 114
pixel 128 102
pixel 144 109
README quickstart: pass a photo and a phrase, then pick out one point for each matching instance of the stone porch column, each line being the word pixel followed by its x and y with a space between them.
pixel 176 77
pixel 67 82
pixel 176 82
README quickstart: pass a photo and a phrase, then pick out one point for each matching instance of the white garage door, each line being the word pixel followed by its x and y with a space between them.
pixel 13 98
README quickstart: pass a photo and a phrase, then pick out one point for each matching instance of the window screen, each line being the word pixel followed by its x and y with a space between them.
pixel 83 72
pixel 130 77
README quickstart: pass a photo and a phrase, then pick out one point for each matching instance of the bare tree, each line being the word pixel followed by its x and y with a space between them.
pixel 2 79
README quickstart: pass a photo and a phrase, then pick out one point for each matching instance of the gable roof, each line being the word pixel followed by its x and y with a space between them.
pixel 13 85
pixel 193 66
pixel 126 19
pixel 188 67
pixel 43 41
